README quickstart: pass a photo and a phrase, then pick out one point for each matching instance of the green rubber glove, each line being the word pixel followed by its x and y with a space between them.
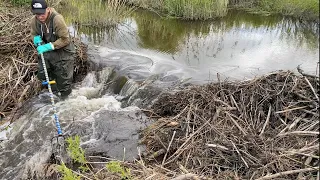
pixel 45 48
pixel 37 40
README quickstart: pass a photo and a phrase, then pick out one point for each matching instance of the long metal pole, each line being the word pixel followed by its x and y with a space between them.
pixel 51 96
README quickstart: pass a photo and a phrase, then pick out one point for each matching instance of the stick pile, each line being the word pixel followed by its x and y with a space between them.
pixel 264 128
pixel 18 58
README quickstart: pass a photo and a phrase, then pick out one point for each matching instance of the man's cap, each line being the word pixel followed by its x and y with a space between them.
pixel 38 6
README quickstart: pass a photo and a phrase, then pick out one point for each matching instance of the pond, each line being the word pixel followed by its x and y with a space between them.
pixel 238 46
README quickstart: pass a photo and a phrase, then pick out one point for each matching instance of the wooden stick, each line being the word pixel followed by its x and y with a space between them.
pixel 267 121
pixel 306 164
pixel 298 153
pixel 157 154
pixel 288 173
pixel 186 176
pixel 240 155
pixel 238 126
pixel 23 93
pixel 150 177
pixel 178 152
pixel 287 110
pixel 234 101
pixel 305 133
pixel 314 92
pixel 80 174
pixel 217 146
pixel 165 156
pixel 295 122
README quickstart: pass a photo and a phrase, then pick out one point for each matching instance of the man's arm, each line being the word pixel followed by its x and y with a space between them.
pixel 61 31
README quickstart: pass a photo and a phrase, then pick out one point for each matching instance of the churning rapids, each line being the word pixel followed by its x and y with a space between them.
pixel 102 110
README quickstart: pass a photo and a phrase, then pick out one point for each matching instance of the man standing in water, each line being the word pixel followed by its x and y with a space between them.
pixel 49 29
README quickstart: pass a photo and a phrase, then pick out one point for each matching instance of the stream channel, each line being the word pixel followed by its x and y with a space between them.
pixel 139 59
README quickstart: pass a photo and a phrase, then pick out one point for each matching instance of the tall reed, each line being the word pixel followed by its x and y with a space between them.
pixel 299 8
pixel 97 12
pixel 196 9
pixel 206 9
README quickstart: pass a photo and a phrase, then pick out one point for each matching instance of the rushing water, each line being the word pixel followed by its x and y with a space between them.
pixel 238 46
pixel 105 128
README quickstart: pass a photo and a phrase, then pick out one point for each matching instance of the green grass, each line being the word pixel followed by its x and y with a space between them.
pixel 77 154
pixel 196 9
pixel 297 8
pixel 67 173
pixel 186 9
pixel 28 2
pixel 96 13
pixel 20 2
pixel 208 9
pixel 115 167
pixel 75 151
pixel 303 9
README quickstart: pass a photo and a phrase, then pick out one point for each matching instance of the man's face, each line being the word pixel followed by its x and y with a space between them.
pixel 42 17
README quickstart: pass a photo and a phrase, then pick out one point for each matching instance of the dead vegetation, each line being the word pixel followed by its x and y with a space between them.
pixel 18 58
pixel 264 128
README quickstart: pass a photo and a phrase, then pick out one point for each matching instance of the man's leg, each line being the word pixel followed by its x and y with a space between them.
pixel 48 57
pixel 64 72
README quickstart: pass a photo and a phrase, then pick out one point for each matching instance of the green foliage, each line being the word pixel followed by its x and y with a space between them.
pixel 67 173
pixel 75 151
pixel 115 167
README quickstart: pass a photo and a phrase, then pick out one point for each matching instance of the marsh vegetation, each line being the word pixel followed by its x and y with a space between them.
pixel 207 9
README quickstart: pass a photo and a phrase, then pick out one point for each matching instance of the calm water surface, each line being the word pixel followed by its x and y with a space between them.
pixel 238 46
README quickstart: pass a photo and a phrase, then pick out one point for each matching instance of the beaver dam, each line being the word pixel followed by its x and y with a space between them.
pixel 264 128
